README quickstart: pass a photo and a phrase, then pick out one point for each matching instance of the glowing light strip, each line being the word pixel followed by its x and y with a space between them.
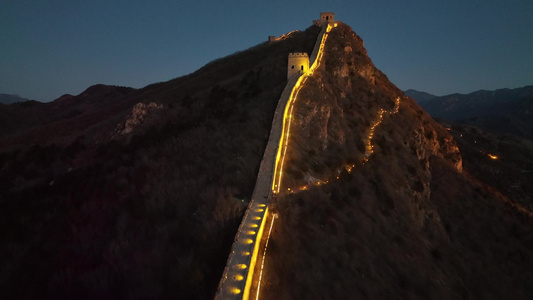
pixel 285 134
pixel 368 142
pixel 287 117
pixel 493 156
pixel 264 255
pixel 318 59
pixel 379 119
pixel 253 260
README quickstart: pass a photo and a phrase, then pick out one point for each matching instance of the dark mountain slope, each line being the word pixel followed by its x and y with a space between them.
pixel 396 218
pixel 62 120
pixel 502 161
pixel 96 112
pixel 145 204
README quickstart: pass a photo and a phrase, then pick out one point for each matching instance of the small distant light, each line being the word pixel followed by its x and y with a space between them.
pixel 493 156
pixel 240 266
pixel 235 291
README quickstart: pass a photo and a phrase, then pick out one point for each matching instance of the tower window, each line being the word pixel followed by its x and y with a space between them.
pixel 292 67
pixel 302 67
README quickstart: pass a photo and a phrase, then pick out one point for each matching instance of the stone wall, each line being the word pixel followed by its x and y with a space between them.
pixel 236 279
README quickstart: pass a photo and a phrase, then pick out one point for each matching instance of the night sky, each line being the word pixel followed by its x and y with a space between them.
pixel 50 48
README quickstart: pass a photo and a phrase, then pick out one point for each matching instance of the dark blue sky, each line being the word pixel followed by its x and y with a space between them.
pixel 49 48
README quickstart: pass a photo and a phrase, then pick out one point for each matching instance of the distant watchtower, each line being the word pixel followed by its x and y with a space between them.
pixel 298 64
pixel 327 18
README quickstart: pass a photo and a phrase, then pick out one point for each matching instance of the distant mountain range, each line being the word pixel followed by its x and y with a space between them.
pixel 419 96
pixel 10 99
pixel 503 110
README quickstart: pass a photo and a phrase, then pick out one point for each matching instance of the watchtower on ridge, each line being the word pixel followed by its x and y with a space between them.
pixel 327 17
pixel 298 64
pixel 299 61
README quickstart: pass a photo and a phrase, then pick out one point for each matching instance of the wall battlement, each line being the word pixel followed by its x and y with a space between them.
pixel 298 54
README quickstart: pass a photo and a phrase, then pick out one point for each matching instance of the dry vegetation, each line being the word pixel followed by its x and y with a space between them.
pixel 150 215
pixel 510 173
pixel 407 224
pixel 355 238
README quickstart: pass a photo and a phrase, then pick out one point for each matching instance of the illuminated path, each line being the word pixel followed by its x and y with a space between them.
pixel 237 278
pixel 241 277
pixel 315 59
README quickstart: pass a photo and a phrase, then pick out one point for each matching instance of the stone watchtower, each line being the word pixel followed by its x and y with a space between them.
pixel 298 64
pixel 327 18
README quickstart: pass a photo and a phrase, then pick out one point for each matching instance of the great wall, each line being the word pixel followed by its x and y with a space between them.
pixel 241 268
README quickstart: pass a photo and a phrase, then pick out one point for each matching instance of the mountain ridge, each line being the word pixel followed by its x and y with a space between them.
pixel 419 96
pixel 61 120
pixel 7 99
pixel 502 110
pixel 521 91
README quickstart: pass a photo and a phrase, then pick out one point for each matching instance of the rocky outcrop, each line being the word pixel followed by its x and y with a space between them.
pixel 141 114
pixel 428 141
pixel 349 114
pixel 339 109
